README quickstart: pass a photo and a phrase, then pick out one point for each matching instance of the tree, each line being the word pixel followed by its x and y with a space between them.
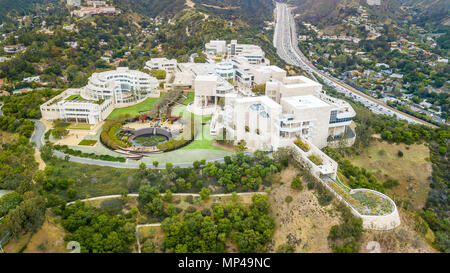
pixel 155 163
pixel 204 193
pixel 156 206
pixel 171 210
pixel 8 202
pixel 168 197
pixel 71 193
pixel 242 146
pixel 296 183
pixel 28 216
pixel 159 74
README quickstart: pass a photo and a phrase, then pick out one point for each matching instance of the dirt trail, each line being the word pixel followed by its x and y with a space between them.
pixel 37 157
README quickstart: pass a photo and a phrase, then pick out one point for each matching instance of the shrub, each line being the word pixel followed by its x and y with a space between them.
pixel 315 159
pixel 302 145
pixel 109 134
pixel 206 212
pixel 190 209
pixel 189 199
pixel 204 193
pixel 66 150
pixel 296 183
pixel 288 199
pixel 159 74
pixel 390 183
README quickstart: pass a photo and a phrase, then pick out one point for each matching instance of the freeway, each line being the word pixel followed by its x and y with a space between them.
pixel 286 43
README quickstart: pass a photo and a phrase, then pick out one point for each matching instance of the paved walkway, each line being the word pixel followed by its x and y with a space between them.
pixel 38 139
pixel 174 194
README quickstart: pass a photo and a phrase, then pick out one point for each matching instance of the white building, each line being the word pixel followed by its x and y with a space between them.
pixel 216 47
pixel 169 66
pixel 90 11
pixel 104 92
pixel 225 69
pixel 96 3
pixel 71 106
pixel 75 3
pixel 292 108
pixel 253 53
pixel 291 86
pixel 13 49
pixel 208 90
pixel 263 74
pixel 122 85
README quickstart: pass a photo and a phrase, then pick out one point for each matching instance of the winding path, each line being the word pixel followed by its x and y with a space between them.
pixel 174 194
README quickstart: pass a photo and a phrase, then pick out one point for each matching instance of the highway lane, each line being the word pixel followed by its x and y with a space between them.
pixel 285 40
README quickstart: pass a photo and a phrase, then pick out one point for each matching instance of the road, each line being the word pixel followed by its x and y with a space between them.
pixel 286 42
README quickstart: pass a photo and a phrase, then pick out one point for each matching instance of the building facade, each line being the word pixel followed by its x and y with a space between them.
pixel 122 85
pixel 292 108
pixel 104 92
pixel 71 106
pixel 165 64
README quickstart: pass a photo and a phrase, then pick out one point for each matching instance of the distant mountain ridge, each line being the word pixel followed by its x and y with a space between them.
pixel 418 11
pixel 250 11
pixel 20 7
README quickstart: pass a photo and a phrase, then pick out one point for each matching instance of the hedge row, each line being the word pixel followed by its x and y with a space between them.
pixel 181 140
pixel 67 150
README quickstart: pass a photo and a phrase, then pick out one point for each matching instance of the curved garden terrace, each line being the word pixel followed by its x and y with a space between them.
pixel 87 142
pixel 364 201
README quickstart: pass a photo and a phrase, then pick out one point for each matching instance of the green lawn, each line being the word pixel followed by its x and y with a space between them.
pixel 202 141
pixel 87 142
pixel 190 98
pixel 134 109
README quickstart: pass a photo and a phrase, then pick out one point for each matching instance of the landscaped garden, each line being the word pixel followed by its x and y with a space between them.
pixel 134 110
pixel 88 142
pixel 373 204
pixel 190 98
pixel 302 145
pixel 315 159
pixel 156 112
pixel 364 201
pixel 149 140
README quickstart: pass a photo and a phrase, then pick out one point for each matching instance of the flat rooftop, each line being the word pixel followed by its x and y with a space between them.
pixel 299 80
pixel 270 68
pixel 305 102
pixel 260 99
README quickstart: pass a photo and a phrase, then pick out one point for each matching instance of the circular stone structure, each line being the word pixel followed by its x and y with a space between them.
pixel 387 221
pixel 163 134
pixel 148 140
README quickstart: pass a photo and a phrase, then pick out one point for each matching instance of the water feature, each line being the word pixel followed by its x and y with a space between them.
pixel 147 140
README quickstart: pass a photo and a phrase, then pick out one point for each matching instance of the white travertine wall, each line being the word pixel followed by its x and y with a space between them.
pixel 373 222
pixel 262 74
pixel 383 222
